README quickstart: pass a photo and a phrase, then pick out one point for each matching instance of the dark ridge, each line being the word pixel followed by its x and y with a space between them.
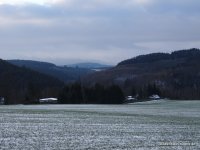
pixel 31 63
pixel 149 58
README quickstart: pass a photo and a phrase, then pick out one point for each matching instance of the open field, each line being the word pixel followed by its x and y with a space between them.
pixel 149 125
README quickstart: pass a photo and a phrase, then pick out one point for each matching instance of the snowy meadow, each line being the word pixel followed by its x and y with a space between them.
pixel 147 125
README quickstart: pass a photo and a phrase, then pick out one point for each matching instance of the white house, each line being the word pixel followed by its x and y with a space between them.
pixel 130 99
pixel 48 101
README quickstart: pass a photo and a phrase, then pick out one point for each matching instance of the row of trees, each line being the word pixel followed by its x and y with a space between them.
pixel 98 94
pixel 145 91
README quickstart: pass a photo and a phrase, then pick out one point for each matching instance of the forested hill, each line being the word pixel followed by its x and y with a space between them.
pixel 176 75
pixel 155 57
pixel 63 73
pixel 22 85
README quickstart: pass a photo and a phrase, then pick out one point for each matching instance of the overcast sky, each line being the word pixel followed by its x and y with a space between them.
pixel 109 31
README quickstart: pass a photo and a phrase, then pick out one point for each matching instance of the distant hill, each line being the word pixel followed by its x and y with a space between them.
pixel 63 73
pixel 90 65
pixel 22 85
pixel 176 74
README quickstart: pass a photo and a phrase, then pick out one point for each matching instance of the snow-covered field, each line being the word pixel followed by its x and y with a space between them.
pixel 149 125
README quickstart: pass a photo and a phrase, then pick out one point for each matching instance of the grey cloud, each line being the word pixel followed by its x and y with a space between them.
pixel 110 30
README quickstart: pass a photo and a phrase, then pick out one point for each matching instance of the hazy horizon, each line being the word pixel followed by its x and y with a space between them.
pixel 62 62
pixel 65 62
pixel 102 31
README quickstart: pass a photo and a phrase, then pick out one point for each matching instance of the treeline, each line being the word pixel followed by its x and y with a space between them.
pixel 20 85
pixel 98 94
pixel 176 88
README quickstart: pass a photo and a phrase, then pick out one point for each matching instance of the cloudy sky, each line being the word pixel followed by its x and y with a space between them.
pixel 69 31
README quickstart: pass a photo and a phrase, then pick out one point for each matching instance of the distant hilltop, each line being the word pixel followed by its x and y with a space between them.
pixel 90 65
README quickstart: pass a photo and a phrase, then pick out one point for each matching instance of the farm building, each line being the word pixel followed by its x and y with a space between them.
pixel 154 97
pixel 130 99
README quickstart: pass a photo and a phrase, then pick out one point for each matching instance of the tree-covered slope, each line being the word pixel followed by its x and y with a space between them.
pixel 176 74
pixel 22 85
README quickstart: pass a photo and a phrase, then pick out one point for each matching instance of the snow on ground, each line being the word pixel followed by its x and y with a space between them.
pixel 148 125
